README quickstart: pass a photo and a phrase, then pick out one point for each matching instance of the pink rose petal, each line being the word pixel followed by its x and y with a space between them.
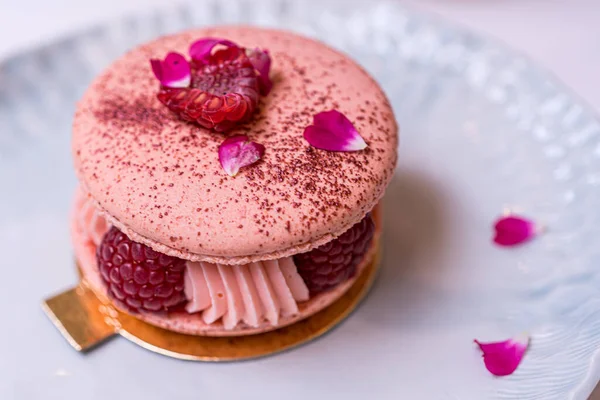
pixel 503 358
pixel 332 131
pixel 261 60
pixel 201 50
pixel 237 152
pixel 174 71
pixel 513 230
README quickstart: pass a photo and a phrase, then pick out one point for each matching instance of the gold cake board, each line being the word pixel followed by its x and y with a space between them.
pixel 85 321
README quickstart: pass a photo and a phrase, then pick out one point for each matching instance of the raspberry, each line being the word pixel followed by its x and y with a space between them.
pixel 221 93
pixel 336 261
pixel 138 278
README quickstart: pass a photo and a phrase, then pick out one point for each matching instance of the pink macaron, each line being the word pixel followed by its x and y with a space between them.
pixel 162 228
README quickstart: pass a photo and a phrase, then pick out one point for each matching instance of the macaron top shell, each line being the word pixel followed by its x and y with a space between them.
pixel 159 179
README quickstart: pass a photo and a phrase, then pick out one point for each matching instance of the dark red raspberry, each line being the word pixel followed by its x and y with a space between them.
pixel 139 278
pixel 222 92
pixel 336 261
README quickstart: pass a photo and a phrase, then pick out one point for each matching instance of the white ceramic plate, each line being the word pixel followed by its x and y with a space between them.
pixel 482 130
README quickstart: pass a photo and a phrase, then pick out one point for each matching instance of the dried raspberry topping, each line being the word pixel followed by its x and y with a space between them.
pixel 138 278
pixel 336 261
pixel 224 90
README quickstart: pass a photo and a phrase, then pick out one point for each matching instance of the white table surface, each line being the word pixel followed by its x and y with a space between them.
pixel 561 35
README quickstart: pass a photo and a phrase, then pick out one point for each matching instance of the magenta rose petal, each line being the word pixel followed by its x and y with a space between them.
pixel 513 230
pixel 201 50
pixel 332 131
pixel 173 72
pixel 261 60
pixel 503 358
pixel 237 152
